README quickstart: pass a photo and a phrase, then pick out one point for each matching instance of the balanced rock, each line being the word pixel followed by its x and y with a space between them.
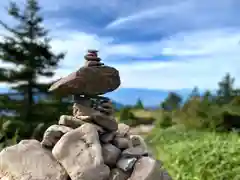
pixel 80 153
pixel 83 112
pixel 92 56
pixel 91 115
pixel 93 64
pixel 87 107
pixel 89 144
pixel 107 122
pixel 84 101
pixel 53 134
pixel 89 80
pixel 29 161
pixel 70 121
pixel 105 107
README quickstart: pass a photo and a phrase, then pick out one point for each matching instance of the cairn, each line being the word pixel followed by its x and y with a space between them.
pixel 89 144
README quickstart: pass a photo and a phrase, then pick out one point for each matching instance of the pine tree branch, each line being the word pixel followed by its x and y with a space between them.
pixel 9 29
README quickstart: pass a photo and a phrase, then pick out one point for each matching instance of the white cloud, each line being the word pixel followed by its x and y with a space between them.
pixel 202 59
pixel 203 43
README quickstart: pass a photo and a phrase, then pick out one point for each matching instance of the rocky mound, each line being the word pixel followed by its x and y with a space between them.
pixel 88 145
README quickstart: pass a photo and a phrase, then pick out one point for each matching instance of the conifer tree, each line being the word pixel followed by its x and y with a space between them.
pixel 139 104
pixel 226 89
pixel 27 47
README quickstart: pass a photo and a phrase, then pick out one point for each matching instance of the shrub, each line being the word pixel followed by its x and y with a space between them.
pixel 194 155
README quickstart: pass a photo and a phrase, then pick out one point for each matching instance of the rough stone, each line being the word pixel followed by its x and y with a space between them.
pixel 126 164
pixel 92 56
pixel 109 123
pixel 121 142
pixel 93 63
pixel 107 104
pixel 137 152
pixel 89 81
pixel 106 108
pixel 106 111
pixel 110 154
pixel 74 123
pixel 70 121
pixel 123 130
pixel 138 141
pixel 80 110
pixel 107 137
pixel 118 174
pixel 80 153
pixel 146 168
pixel 53 134
pixel 28 160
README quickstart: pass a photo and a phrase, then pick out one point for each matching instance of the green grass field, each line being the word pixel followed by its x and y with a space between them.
pixel 193 155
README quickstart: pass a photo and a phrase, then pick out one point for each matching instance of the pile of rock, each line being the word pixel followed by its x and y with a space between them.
pixel 88 145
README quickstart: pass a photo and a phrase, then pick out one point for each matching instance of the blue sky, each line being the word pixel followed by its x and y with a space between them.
pixel 158 45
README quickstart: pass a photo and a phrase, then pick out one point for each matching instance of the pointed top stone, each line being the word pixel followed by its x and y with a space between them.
pixel 93 51
pixel 92 55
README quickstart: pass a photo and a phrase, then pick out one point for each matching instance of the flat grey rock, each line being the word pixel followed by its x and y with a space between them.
pixel 110 154
pixel 126 164
pixel 107 137
pixel 135 152
pixel 80 153
pixel 27 160
pixel 53 134
pixel 106 122
pixel 88 81
pixel 121 142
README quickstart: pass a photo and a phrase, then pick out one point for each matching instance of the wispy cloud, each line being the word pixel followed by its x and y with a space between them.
pixel 158 12
pixel 181 15
pixel 201 59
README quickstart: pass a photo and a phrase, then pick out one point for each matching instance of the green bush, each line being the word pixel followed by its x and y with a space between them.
pixel 126 115
pixel 194 155
pixel 165 121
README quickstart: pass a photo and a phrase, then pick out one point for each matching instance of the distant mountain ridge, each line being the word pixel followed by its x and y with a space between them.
pixel 149 97
pixel 129 96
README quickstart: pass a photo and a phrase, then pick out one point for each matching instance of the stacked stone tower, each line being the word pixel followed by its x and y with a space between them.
pixel 87 145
